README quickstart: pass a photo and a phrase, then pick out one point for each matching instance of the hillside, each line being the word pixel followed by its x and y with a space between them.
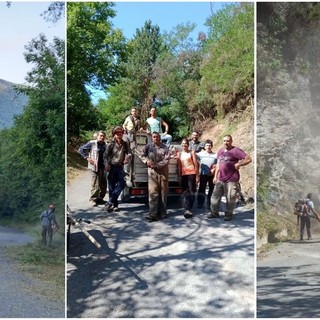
pixel 11 103
pixel 287 115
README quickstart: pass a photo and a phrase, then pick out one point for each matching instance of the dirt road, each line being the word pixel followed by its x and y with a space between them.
pixel 288 280
pixel 174 268
pixel 19 292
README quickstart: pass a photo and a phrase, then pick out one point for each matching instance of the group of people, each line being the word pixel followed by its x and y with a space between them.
pixel 197 164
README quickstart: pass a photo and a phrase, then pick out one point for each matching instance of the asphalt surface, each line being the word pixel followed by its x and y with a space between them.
pixel 288 279
pixel 173 268
pixel 20 295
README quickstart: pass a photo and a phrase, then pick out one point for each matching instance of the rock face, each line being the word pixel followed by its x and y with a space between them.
pixel 11 103
pixel 288 118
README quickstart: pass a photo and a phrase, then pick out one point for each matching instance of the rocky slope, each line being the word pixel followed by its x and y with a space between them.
pixel 10 103
pixel 288 117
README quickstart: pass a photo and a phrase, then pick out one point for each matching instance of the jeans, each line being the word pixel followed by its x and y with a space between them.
pixel 116 183
pixel 167 138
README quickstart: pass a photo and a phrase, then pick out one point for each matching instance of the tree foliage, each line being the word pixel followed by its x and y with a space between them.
pixel 229 52
pixel 95 55
pixel 188 81
pixel 32 151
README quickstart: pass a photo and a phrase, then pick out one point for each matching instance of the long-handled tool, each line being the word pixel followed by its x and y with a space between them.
pixel 76 223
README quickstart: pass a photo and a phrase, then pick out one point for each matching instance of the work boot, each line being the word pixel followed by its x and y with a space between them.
pixel 151 217
pixel 213 215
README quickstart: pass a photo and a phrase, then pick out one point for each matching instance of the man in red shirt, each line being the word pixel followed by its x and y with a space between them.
pixel 227 176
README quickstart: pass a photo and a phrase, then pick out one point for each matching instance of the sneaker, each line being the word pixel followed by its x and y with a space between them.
pixel 228 218
pixel 108 207
pixel 188 214
pixel 116 209
pixel 301 237
pixel 213 215
pixel 100 201
pixel 151 218
pixel 310 238
pixel 94 203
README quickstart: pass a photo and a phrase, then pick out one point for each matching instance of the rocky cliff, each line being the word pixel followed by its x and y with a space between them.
pixel 288 106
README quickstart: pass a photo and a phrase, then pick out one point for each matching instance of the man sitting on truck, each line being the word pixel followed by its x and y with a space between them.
pixel 131 125
pixel 155 125
pixel 156 156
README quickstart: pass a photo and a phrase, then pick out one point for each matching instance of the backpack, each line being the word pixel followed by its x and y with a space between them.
pixel 300 208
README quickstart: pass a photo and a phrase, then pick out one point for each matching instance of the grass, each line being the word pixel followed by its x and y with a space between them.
pixel 270 223
pixel 46 264
pixel 76 163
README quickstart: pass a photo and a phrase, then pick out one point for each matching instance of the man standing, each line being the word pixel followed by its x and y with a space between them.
pixel 195 144
pixel 118 154
pixel 155 125
pixel 93 152
pixel 306 214
pixel 227 176
pixel 48 224
pixel 208 160
pixel 131 125
pixel 156 157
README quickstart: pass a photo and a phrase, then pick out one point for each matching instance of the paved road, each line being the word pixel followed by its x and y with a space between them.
pixel 171 268
pixel 288 280
pixel 19 292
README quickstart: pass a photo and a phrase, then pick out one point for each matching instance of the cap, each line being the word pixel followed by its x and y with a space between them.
pixel 117 129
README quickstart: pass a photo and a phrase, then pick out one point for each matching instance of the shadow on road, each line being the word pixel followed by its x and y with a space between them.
pixel 140 265
pixel 293 297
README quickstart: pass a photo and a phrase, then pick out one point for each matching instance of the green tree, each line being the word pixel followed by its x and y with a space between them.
pixel 32 161
pixel 94 60
pixel 228 66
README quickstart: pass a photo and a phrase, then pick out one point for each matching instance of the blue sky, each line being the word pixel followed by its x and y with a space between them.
pixel 167 15
pixel 19 24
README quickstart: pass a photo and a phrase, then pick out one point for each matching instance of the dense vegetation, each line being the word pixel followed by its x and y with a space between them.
pixel 188 81
pixel 32 150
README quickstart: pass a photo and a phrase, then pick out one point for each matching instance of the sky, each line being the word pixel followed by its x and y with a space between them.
pixel 19 24
pixel 22 22
pixel 167 15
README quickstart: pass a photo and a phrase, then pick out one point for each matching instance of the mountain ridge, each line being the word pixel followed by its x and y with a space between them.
pixel 11 103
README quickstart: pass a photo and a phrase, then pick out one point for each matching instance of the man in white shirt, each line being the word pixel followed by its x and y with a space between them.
pixel 155 125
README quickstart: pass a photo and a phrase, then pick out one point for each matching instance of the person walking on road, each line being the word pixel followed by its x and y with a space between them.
pixel 93 151
pixel 48 224
pixel 305 218
pixel 156 156
pixel 188 168
pixel 117 155
pixel 208 160
pixel 227 177
pixel 155 125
